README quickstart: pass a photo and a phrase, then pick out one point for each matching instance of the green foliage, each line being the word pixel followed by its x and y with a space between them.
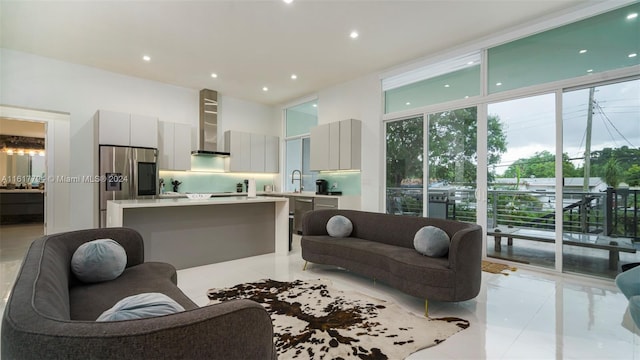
pixel 541 165
pixel 627 158
pixel 612 173
pixel 404 150
pixel 632 175
pixel 452 147
pixel 453 144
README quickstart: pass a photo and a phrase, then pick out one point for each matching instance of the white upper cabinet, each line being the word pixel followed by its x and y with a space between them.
pixel 350 144
pixel 251 152
pixel 319 148
pixel 271 154
pixel 115 128
pixel 336 146
pixel 144 131
pixel 174 146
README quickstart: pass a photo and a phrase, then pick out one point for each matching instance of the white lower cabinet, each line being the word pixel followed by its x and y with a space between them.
pixel 320 203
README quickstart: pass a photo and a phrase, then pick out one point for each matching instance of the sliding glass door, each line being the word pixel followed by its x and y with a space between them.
pixel 601 188
pixel 448 188
pixel 521 189
pixel 404 164
pixel 452 159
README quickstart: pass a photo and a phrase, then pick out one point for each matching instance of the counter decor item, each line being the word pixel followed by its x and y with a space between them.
pixel 198 196
pixel 251 188
pixel 175 184
pixel 239 187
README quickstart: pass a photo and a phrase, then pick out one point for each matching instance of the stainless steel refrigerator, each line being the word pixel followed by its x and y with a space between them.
pixel 126 173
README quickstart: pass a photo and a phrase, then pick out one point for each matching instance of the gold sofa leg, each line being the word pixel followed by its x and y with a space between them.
pixel 426 308
pixel 304 268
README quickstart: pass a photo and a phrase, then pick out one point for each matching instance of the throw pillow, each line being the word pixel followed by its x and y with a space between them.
pixel 99 260
pixel 339 226
pixel 141 306
pixel 431 241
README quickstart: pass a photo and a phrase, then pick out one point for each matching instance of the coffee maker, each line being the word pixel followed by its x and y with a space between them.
pixel 322 187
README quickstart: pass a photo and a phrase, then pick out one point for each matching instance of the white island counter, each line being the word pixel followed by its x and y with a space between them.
pixel 187 233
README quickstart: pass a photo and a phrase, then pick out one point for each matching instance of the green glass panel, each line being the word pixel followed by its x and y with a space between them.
pixel 301 118
pixel 601 43
pixel 454 85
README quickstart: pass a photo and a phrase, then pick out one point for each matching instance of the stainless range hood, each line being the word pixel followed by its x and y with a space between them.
pixel 208 125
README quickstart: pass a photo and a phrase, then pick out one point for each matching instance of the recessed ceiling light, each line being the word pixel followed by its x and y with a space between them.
pixel 214 75
pixel 590 70
pixel 146 58
pixel 294 76
pixel 447 85
pixel 264 88
pixel 498 84
pixel 632 55
pixel 315 105
pixel 583 51
pixel 632 16
pixel 288 1
pixel 470 63
pixel 407 103
pixel 354 35
pixel 466 97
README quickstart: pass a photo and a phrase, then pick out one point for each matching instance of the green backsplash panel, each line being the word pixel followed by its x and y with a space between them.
pixel 206 182
pixel 348 182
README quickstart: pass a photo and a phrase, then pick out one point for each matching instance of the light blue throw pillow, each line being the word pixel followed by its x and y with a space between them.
pixel 141 306
pixel 99 260
pixel 431 241
pixel 339 226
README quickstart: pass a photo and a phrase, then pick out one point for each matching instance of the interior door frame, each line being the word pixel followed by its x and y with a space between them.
pixel 56 194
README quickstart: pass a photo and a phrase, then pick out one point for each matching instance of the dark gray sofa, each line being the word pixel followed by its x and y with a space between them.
pixel 381 247
pixel 50 314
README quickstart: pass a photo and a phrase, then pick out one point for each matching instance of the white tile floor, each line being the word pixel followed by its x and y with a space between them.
pixel 526 315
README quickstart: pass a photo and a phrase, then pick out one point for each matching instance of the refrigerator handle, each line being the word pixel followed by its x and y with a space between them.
pixel 134 175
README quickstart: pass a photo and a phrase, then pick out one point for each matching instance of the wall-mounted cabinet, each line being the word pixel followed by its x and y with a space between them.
pixel 336 146
pixel 251 152
pixel 115 128
pixel 174 146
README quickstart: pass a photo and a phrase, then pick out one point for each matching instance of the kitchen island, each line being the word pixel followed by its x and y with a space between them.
pixel 188 233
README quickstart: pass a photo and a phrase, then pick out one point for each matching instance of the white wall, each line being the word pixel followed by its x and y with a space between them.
pixel 42 83
pixel 360 99
pixel 246 116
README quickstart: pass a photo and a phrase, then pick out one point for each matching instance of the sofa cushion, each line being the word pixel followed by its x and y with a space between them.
pixel 99 260
pixel 431 241
pixel 88 301
pixel 141 306
pixel 339 226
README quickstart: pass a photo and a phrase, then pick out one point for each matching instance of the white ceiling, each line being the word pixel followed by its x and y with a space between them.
pixel 251 44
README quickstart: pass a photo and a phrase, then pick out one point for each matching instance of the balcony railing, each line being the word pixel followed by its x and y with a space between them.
pixel 615 212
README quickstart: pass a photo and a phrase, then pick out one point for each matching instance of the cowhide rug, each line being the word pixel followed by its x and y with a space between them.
pixel 312 320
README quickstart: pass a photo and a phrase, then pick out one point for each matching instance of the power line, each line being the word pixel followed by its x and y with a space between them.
pixel 602 113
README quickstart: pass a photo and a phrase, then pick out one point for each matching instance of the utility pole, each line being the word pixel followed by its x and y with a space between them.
pixel 587 149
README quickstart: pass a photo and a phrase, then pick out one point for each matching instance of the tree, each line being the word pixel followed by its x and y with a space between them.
pixel 404 140
pixel 612 173
pixel 453 143
pixel 452 147
pixel 541 165
pixel 632 175
pixel 626 158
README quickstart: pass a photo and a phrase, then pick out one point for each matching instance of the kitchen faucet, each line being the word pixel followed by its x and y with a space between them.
pixel 299 180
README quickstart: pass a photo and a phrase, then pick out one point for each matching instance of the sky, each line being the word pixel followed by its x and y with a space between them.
pixel 529 123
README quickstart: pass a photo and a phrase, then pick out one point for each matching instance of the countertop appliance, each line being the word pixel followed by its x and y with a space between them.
pixel 126 173
pixel 322 187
